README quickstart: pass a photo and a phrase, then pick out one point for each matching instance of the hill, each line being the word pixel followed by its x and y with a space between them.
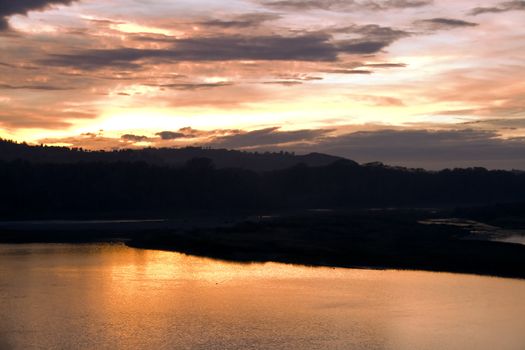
pixel 221 158
pixel 131 189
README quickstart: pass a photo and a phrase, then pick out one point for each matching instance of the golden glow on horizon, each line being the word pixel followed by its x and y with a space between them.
pixel 86 73
pixel 296 115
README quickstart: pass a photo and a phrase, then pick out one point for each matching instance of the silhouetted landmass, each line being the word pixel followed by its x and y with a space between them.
pixel 222 158
pixel 75 184
pixel 505 215
pixel 139 189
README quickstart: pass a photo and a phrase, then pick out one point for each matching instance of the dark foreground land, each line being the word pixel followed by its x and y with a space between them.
pixel 382 239
pixel 345 238
pixel 46 183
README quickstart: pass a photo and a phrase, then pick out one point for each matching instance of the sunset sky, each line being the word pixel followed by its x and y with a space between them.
pixel 410 82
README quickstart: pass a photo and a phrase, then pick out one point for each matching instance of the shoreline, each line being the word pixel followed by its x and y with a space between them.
pixel 347 239
pixel 375 264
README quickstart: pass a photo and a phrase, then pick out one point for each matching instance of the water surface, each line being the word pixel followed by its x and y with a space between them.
pixel 115 297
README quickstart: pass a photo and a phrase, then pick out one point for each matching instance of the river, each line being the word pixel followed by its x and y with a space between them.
pixel 109 296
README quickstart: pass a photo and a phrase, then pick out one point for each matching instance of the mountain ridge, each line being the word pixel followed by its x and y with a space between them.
pixel 221 158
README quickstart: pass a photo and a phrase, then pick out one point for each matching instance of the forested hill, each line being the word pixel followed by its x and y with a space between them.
pixel 221 158
pixel 126 189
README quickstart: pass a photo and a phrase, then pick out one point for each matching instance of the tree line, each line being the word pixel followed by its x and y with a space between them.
pixel 85 189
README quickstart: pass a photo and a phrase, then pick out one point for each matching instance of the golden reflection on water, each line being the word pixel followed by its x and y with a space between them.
pixel 114 297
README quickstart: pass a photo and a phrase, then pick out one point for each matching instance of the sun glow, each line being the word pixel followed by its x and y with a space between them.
pixel 140 119
pixel 134 28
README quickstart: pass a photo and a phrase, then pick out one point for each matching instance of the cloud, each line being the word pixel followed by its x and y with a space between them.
pixel 424 148
pixel 348 71
pixel 300 77
pixel 515 5
pixel 345 5
pixel 242 21
pixel 134 138
pixel 359 46
pixel 21 7
pixel 288 79
pixel 373 38
pixel 385 65
pixel 39 118
pixel 192 86
pixel 267 136
pixel 372 32
pixel 444 23
pixel 33 87
pixel 18 66
pixel 414 148
pixel 171 135
pixel 284 82
pixel 221 138
pixel 307 47
pixel 498 123
pixel 89 140
pixel 431 149
pixel 190 133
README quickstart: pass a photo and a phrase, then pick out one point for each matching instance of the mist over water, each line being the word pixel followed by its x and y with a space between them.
pixel 113 297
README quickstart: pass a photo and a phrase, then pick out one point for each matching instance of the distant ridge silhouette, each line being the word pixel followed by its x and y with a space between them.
pixel 222 158
pixel 58 182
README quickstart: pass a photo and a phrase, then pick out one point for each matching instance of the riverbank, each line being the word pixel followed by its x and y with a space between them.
pixel 383 239
pixel 396 239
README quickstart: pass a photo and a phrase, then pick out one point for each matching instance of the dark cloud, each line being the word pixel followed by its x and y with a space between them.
pixel 90 140
pixel 414 148
pixel 308 47
pixel 348 71
pixel 378 32
pixel 400 4
pixel 292 79
pixel 193 86
pixel 11 120
pixel 284 82
pixel 511 108
pixel 385 65
pixel 298 77
pixel 33 87
pixel 498 123
pixel 502 7
pixel 190 133
pixel 268 136
pixel 134 138
pixel 171 135
pixel 313 47
pixel 39 118
pixel 372 32
pixel 103 22
pixel 444 23
pixel 373 38
pixel 361 46
pixel 345 5
pixel 18 66
pixel 21 7
pixel 243 21
pixel 423 148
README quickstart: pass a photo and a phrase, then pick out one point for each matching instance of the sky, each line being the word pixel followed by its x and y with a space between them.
pixel 418 83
